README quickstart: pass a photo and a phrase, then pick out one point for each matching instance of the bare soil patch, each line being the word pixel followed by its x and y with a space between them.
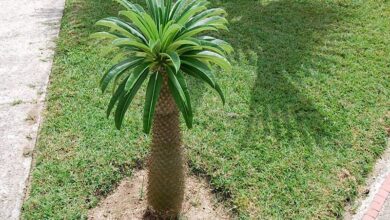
pixel 128 201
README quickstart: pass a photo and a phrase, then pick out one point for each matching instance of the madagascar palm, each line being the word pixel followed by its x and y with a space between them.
pixel 162 45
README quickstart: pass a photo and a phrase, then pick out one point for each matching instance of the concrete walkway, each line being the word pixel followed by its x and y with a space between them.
pixel 379 207
pixel 384 214
pixel 28 28
pixel 377 203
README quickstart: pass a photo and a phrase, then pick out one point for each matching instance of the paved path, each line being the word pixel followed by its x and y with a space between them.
pixel 28 28
pixel 377 204
pixel 379 207
pixel 384 214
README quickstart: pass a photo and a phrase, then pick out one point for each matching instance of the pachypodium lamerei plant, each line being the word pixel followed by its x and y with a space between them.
pixel 163 45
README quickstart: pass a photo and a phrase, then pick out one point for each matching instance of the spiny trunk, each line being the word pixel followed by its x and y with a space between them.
pixel 166 165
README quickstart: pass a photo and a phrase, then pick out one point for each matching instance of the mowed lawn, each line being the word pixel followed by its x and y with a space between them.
pixel 306 114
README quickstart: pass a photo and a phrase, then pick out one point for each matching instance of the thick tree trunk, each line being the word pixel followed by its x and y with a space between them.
pixel 166 164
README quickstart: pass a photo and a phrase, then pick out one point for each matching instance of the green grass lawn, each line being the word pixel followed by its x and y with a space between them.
pixel 304 121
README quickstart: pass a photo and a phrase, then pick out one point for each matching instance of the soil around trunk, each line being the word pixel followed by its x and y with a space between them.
pixel 128 201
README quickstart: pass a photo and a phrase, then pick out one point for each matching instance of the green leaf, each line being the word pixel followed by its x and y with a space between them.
pixel 200 70
pixel 191 9
pixel 170 33
pixel 206 14
pixel 118 69
pixel 128 42
pixel 167 10
pixel 183 84
pixel 151 25
pixel 139 20
pixel 214 42
pixel 152 94
pixel 219 90
pixel 215 45
pixel 175 45
pixel 130 6
pixel 177 9
pixel 156 46
pixel 180 97
pixel 174 57
pixel 189 49
pixel 122 27
pixel 216 21
pixel 152 9
pixel 126 99
pixel 213 57
pixel 135 75
pixel 191 33
pixel 118 93
pixel 105 35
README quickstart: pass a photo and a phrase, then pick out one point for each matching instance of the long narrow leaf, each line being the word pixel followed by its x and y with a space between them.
pixel 152 94
pixel 128 42
pixel 138 22
pixel 174 57
pixel 118 69
pixel 126 100
pixel 130 6
pixel 179 97
pixel 183 84
pixel 213 58
pixel 199 70
pixel 120 91
pixel 122 27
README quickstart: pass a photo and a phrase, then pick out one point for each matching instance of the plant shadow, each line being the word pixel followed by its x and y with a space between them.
pixel 281 37
pixel 284 130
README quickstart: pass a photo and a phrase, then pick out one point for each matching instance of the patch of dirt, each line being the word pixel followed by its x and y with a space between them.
pixel 128 201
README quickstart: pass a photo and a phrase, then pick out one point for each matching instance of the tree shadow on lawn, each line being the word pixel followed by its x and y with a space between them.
pixel 281 37
pixel 281 163
pixel 275 169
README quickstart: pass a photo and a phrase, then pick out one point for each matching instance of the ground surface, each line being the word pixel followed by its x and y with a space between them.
pixel 385 213
pixel 303 125
pixel 128 201
pixel 371 201
pixel 28 28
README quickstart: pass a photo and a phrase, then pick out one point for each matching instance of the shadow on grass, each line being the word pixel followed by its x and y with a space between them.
pixel 279 38
pixel 281 34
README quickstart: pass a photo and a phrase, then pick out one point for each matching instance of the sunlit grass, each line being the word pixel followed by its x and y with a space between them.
pixel 304 121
